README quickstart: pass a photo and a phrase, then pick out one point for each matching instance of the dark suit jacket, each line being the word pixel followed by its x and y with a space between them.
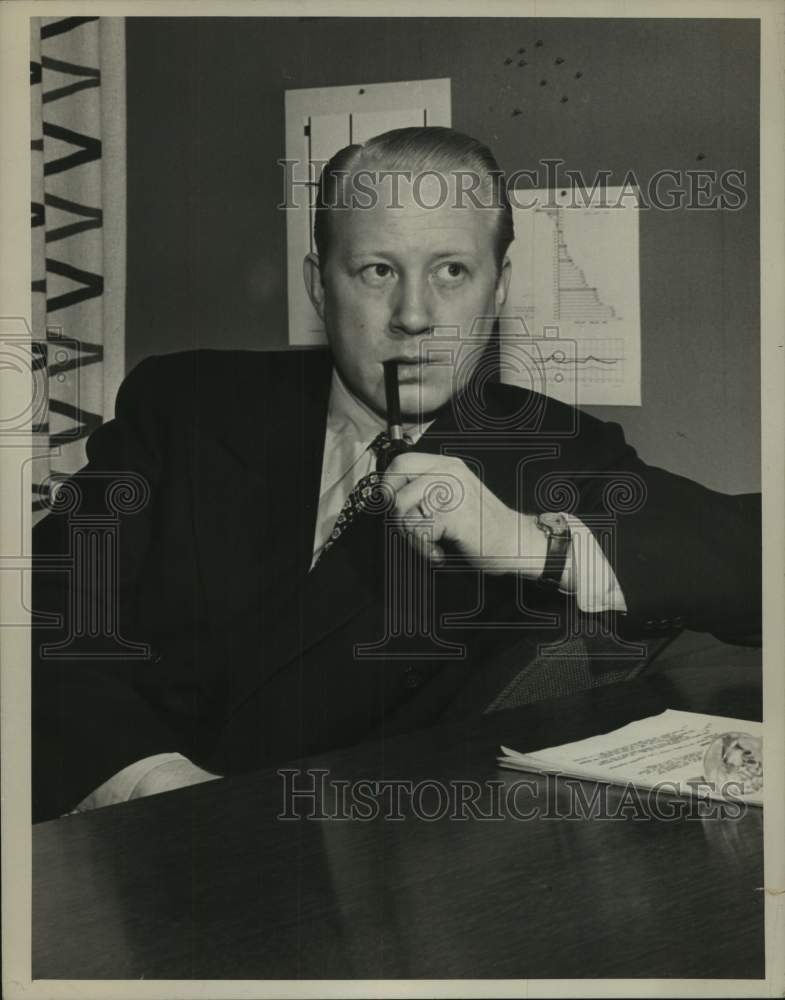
pixel 215 640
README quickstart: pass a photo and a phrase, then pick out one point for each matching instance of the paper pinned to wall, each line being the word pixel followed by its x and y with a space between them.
pixel 319 122
pixel 575 287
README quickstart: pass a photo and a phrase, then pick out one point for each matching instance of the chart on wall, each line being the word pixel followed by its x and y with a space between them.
pixel 572 317
pixel 319 122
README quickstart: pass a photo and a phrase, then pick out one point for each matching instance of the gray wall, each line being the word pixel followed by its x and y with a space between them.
pixel 207 245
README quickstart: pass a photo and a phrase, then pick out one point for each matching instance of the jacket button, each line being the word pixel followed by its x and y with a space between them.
pixel 412 677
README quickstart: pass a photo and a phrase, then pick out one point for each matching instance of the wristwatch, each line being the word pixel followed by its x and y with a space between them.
pixel 557 528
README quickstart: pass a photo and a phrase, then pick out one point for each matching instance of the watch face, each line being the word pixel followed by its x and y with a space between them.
pixel 555 523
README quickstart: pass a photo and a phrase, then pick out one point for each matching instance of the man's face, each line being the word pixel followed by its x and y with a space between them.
pixel 402 282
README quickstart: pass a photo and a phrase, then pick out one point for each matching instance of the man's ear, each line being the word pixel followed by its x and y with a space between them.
pixel 312 276
pixel 503 283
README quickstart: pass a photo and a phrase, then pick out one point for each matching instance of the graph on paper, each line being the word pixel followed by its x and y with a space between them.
pixel 575 285
pixel 595 361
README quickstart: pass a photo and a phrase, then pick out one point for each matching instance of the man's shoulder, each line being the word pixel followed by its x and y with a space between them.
pixel 229 366
pixel 206 377
pixel 525 410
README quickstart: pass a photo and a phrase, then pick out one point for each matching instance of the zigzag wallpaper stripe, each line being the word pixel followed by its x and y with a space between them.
pixel 77 78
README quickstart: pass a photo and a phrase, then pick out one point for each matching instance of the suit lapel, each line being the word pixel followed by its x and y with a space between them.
pixel 257 472
pixel 292 472
pixel 256 468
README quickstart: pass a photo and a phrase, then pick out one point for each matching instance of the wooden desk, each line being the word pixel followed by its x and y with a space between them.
pixel 206 882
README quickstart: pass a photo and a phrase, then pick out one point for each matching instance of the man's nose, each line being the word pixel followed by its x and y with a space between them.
pixel 411 312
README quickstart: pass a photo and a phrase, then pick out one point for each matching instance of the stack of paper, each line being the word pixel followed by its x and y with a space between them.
pixel 666 750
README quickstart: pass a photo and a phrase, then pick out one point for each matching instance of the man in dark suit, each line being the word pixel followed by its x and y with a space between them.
pixel 216 594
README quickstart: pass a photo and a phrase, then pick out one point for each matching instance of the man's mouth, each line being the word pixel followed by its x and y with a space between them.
pixel 413 359
pixel 410 369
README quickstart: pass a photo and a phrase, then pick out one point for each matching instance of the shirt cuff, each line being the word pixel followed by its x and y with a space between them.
pixel 588 574
pixel 120 786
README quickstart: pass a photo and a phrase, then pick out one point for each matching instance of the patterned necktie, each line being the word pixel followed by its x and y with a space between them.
pixel 364 493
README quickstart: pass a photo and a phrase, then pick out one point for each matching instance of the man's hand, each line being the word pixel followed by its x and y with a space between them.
pixel 443 506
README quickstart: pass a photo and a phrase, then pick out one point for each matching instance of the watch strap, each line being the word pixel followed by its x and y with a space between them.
pixel 557 528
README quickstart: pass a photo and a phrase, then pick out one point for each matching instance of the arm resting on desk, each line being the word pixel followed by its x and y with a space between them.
pixel 90 719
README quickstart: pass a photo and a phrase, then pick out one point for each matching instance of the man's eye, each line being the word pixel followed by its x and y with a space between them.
pixel 376 274
pixel 451 272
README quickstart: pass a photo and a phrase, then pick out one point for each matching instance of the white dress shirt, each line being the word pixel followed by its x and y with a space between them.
pixel 351 427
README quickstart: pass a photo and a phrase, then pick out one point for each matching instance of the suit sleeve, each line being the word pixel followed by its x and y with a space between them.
pixel 684 556
pixel 90 717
